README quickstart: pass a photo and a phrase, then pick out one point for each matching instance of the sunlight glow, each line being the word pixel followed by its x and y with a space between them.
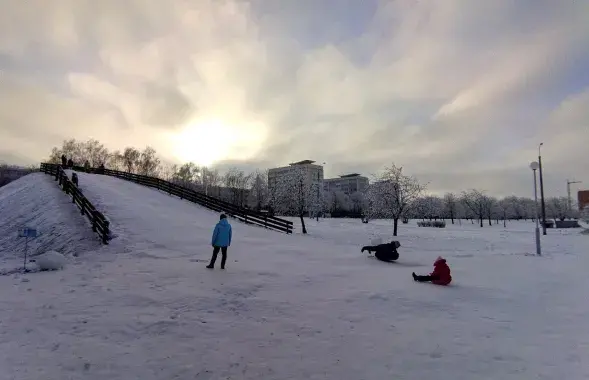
pixel 208 141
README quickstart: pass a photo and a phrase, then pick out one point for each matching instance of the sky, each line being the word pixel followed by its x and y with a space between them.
pixel 457 92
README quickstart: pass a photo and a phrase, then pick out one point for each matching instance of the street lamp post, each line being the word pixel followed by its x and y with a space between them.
pixel 534 166
pixel 542 190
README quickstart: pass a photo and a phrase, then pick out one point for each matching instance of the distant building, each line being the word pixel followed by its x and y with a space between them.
pixel 348 184
pixel 583 199
pixel 313 172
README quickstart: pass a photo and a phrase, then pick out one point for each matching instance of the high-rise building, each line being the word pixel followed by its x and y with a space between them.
pixel 348 184
pixel 313 172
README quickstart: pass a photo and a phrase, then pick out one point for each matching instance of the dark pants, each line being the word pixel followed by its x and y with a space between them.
pixel 426 278
pixel 215 253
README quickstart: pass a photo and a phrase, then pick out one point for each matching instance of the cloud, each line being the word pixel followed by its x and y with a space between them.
pixel 459 93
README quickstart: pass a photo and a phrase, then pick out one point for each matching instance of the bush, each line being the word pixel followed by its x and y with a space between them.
pixel 432 223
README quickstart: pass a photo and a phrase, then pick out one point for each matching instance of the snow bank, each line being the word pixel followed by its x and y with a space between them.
pixel 50 261
pixel 36 201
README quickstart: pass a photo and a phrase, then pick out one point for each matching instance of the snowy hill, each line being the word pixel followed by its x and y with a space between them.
pixel 36 201
pixel 144 217
pixel 295 307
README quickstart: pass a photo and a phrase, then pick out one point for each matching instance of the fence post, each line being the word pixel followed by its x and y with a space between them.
pixel 106 232
pixel 82 207
pixel 73 197
pixel 94 220
pixel 56 173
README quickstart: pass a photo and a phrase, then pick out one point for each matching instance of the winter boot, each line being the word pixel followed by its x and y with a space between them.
pixel 414 276
pixel 210 266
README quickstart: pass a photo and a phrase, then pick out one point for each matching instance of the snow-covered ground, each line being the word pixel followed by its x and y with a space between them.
pixel 36 201
pixel 296 307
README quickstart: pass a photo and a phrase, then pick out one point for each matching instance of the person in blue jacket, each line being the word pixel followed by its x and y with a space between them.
pixel 221 240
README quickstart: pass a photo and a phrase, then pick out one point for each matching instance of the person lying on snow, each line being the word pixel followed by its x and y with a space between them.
pixel 440 276
pixel 384 252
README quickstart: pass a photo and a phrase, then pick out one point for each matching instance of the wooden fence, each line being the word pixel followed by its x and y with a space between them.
pixel 99 223
pixel 243 214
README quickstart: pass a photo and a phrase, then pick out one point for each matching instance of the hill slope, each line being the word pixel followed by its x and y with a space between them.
pixel 148 218
pixel 36 201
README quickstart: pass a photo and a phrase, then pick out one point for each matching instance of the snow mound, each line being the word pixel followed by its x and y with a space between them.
pixel 50 261
pixel 36 201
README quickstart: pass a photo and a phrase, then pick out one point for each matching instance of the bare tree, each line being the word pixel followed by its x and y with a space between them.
pixel 237 183
pixel 503 207
pixel 115 161
pixel 259 189
pixel 489 205
pixel 476 203
pixel 450 206
pixel 393 195
pixel 94 152
pixel 148 162
pixel 131 158
pixel 186 174
pixel 167 171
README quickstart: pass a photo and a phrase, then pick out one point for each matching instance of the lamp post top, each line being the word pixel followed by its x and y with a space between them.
pixel 534 165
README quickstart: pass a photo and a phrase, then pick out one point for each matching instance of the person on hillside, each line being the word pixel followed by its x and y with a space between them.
pixel 440 276
pixel 63 160
pixel 70 163
pixel 220 241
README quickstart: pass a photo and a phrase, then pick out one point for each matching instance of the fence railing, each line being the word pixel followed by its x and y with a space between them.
pixel 99 223
pixel 243 214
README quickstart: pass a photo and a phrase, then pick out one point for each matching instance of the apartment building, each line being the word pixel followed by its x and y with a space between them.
pixel 313 172
pixel 348 184
pixel 583 199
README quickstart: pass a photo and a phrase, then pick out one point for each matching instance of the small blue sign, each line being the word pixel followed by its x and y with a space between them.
pixel 27 232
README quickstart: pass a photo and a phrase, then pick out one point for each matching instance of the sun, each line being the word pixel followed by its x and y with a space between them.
pixel 205 142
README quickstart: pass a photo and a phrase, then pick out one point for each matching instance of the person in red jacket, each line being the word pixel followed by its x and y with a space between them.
pixel 440 276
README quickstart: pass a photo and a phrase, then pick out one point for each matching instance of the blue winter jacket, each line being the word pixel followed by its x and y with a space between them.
pixel 222 234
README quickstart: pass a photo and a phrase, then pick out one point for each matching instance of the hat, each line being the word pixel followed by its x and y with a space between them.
pixel 440 258
pixel 223 216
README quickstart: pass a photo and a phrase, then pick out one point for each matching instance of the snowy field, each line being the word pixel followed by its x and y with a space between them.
pixel 293 307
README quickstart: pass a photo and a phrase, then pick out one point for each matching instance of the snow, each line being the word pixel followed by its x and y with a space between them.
pixel 50 260
pixel 296 306
pixel 36 201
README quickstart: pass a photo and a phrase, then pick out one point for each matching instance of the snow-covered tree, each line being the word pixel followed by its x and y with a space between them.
pixel 295 193
pixel 430 207
pixel 338 201
pixel 393 195
pixel 558 208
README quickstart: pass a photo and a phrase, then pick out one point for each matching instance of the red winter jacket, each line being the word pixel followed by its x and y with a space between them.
pixel 442 271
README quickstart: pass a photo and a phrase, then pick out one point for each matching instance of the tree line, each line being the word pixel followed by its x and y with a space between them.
pixel 392 194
